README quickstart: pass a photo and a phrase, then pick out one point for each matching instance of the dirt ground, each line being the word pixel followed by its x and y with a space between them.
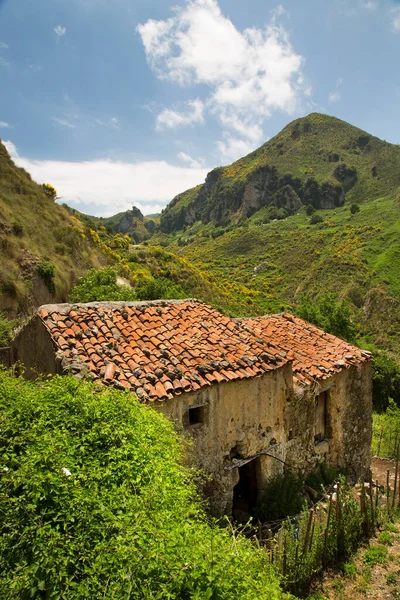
pixel 372 574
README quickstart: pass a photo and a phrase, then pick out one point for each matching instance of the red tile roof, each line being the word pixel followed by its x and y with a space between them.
pixel 315 354
pixel 158 349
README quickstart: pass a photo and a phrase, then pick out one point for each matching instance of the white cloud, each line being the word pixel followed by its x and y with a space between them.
pixel 250 74
pixel 395 14
pixel 113 122
pixel 192 162
pixel 368 4
pixel 192 113
pixel 60 31
pixel 233 148
pixel 63 122
pixel 334 97
pixel 105 187
pixel 5 125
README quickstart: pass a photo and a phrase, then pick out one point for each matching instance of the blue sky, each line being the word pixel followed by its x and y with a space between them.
pixel 133 101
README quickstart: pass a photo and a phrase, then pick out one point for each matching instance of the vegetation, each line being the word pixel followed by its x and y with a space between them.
pixel 329 314
pixel 99 285
pixel 314 161
pixel 32 227
pixel 96 503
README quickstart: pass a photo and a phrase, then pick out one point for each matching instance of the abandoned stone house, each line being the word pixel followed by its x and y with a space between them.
pixel 254 393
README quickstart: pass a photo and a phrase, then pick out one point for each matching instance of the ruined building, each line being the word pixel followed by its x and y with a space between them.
pixel 253 393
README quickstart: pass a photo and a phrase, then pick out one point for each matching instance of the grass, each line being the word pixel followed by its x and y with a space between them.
pixel 34 229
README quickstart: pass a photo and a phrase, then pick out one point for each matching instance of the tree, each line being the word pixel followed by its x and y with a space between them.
pixel 329 314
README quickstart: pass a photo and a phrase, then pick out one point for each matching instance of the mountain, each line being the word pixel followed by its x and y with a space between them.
pixel 131 222
pixel 43 250
pixel 317 160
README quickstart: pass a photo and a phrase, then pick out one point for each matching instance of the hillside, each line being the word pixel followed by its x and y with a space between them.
pixel 317 160
pixel 131 222
pixel 43 250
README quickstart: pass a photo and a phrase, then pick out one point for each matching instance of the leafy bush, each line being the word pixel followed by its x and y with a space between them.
pixel 354 208
pixel 310 210
pixel 46 270
pixel 95 503
pixel 329 314
pixel 156 288
pixel 281 497
pixel 101 285
pixel 386 381
pixel 375 555
pixel 316 219
pixel 50 191
pixel 6 329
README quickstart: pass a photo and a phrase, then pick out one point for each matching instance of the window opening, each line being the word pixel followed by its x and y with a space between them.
pixel 321 402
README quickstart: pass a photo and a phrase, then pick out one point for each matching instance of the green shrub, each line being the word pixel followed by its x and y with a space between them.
pixel 350 570
pixel 316 219
pixel 385 538
pixel 101 285
pixel 310 210
pixel 156 288
pixel 386 381
pixel 96 503
pixel 329 314
pixel 46 270
pixel 281 497
pixel 7 327
pixel 375 555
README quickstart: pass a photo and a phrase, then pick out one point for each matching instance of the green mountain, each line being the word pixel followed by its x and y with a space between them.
pixel 131 222
pixel 251 227
pixel 317 160
pixel 43 250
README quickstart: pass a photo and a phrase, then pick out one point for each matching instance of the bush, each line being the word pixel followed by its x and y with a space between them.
pixel 329 314
pixel 6 330
pixel 156 288
pixel 386 381
pixel 96 503
pixel 46 270
pixel 101 285
pixel 316 219
pixel 310 210
pixel 354 208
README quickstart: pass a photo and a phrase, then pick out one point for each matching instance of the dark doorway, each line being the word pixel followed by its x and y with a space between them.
pixel 245 492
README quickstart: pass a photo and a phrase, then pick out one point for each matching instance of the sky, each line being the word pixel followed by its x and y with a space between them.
pixel 131 102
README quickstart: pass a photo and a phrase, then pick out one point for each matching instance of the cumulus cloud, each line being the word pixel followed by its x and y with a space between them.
pixel 334 97
pixel 192 162
pixel 192 113
pixel 395 15
pixel 60 31
pixel 105 187
pixel 249 74
pixel 5 125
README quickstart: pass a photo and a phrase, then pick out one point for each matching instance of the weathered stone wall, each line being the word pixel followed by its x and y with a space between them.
pixel 34 348
pixel 5 357
pixel 349 423
pixel 241 419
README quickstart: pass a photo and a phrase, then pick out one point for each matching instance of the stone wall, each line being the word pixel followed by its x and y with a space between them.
pixel 240 419
pixel 34 348
pixel 348 423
